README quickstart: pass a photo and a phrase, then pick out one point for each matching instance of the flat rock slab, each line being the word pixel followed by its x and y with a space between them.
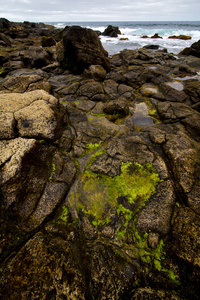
pixel 30 114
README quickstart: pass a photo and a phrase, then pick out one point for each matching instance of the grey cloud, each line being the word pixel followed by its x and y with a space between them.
pixel 104 10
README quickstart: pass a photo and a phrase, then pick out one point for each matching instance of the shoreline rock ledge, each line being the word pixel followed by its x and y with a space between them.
pixel 99 169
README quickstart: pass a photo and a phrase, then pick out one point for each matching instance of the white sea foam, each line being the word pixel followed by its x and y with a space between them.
pixel 133 32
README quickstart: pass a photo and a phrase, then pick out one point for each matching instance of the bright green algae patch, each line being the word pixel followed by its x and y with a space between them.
pixel 136 181
pixel 99 194
pixel 100 197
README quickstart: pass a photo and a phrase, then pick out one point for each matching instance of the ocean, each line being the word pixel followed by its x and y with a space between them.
pixel 134 31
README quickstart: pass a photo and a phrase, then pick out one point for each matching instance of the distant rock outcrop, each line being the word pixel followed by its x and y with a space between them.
pixel 180 37
pixel 111 31
pixel 156 36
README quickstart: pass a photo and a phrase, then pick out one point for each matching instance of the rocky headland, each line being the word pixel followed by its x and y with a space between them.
pixel 99 168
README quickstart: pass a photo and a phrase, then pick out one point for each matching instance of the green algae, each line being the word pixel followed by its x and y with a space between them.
pixel 152 112
pixel 93 156
pixel 65 214
pixel 89 148
pixel 99 200
pixel 53 168
pixel 97 115
pixel 100 193
pixel 136 181
pixel 93 147
pixel 97 197
pixel 154 257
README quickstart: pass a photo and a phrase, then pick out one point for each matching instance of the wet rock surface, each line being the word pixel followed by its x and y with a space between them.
pixel 99 171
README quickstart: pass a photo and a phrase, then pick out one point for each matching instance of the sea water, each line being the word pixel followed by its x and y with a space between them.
pixel 134 31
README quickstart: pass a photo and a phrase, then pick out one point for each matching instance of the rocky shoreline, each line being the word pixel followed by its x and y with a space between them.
pixel 99 168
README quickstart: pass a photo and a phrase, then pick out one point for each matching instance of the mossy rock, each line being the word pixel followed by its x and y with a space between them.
pixel 100 197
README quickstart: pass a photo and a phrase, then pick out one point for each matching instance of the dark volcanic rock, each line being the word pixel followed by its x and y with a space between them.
pixel 4 23
pixel 47 41
pixel 156 36
pixel 111 31
pixel 152 47
pixel 116 107
pixel 82 48
pixel 193 50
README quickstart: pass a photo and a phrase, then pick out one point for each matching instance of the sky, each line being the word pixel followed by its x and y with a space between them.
pixel 99 10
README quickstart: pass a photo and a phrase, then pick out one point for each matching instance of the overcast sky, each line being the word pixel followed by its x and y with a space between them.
pixel 100 10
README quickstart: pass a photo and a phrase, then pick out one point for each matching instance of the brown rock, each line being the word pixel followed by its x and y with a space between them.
pixel 96 72
pixel 48 41
pixel 82 48
pixel 157 213
pixel 21 84
pixel 156 36
pixel 180 37
pixel 119 107
pixel 186 235
pixel 5 39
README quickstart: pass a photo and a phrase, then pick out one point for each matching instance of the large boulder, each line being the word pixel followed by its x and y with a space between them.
pixel 36 57
pixel 193 50
pixel 81 48
pixel 4 23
